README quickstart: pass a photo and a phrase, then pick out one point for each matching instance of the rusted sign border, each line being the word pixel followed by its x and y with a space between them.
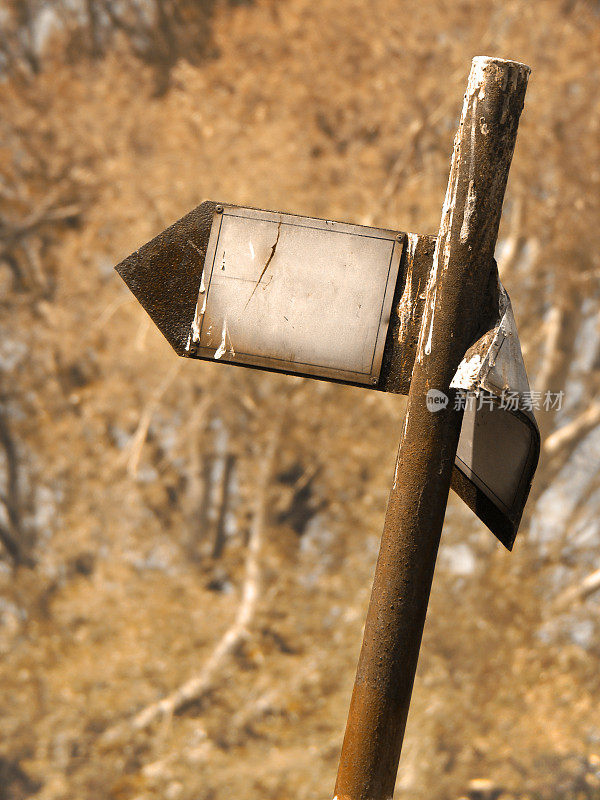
pixel 370 378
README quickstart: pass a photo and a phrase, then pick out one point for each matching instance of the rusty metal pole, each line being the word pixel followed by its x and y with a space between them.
pixel 461 277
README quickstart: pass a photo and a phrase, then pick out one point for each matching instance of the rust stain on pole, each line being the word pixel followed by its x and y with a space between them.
pixel 462 276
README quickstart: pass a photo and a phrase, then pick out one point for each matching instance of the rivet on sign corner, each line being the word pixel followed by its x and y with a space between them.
pixel 219 209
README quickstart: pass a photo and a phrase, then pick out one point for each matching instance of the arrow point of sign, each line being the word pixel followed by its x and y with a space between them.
pixel 165 273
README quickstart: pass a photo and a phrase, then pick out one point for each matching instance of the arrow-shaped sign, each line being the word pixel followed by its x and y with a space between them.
pixel 342 302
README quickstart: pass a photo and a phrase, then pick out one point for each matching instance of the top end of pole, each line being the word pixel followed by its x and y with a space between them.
pixel 482 61
pixel 483 148
pixel 492 75
pixel 503 67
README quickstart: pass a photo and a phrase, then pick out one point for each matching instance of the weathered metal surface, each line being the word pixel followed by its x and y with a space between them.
pixel 499 443
pixel 169 272
pixel 461 275
pixel 297 294
pixel 165 273
pixel 407 311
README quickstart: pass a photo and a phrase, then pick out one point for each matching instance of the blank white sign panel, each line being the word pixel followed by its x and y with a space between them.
pixel 297 294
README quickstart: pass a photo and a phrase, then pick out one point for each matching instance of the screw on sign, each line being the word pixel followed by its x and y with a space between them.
pixel 395 312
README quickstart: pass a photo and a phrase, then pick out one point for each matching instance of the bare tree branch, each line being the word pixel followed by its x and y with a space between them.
pixel 573 432
pixel 226 480
pixel 516 240
pixel 138 439
pixel 194 688
pixel 579 592
pixel 197 497
pixel 11 535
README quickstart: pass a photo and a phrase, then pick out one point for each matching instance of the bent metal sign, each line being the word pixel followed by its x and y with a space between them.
pixel 340 302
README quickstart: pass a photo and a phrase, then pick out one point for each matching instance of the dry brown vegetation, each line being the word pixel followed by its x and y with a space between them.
pixel 153 510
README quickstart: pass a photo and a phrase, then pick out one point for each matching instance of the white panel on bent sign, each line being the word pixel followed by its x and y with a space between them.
pixel 298 294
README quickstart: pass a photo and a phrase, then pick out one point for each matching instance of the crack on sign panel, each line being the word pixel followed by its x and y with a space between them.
pixel 300 294
pixel 266 266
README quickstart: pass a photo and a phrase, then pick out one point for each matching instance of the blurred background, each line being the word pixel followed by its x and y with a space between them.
pixel 205 536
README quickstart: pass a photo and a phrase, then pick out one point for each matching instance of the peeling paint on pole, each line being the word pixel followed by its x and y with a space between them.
pixel 462 273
